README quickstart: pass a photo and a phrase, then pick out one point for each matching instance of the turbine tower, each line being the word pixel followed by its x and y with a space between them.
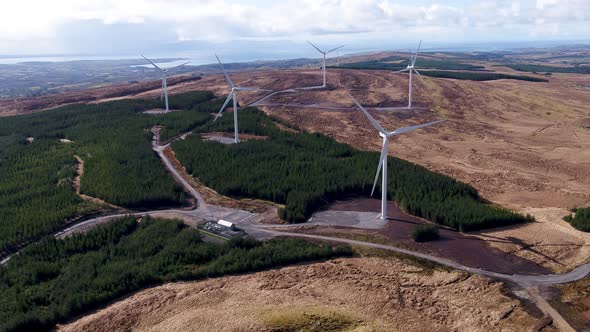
pixel 411 68
pixel 324 54
pixel 164 72
pixel 233 95
pixel 384 152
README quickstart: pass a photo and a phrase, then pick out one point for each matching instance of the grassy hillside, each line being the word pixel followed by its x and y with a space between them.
pixel 56 280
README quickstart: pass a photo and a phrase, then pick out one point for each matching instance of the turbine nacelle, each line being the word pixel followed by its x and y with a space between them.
pixel 164 70
pixel 325 52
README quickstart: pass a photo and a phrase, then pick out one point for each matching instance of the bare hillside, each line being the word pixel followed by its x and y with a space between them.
pixel 357 294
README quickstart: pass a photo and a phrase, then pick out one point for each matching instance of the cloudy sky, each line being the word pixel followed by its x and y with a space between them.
pixel 119 26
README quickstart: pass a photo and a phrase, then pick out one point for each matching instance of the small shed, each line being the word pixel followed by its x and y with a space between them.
pixel 227 224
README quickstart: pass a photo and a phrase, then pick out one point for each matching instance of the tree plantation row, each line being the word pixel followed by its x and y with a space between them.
pixel 305 171
pixel 398 63
pixel 36 194
pixel 475 75
pixel 55 280
pixel 114 142
pixel 301 170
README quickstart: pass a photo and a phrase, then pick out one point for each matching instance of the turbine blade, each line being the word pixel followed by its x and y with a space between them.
pixel 252 89
pixel 401 71
pixel 381 158
pixel 225 73
pixel 416 55
pixel 419 75
pixel 371 119
pixel 153 64
pixel 229 98
pixel 184 64
pixel 411 128
pixel 334 49
pixel 310 43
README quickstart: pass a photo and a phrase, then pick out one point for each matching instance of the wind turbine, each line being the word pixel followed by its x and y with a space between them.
pixel 324 53
pixel 233 95
pixel 411 68
pixel 384 152
pixel 164 72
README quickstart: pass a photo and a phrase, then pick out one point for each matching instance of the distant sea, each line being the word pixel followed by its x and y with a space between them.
pixel 196 58
pixel 11 60
pixel 241 51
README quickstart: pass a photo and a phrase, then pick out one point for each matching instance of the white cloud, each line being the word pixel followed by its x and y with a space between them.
pixel 24 20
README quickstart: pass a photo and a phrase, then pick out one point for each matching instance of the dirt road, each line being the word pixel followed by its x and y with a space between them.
pixel 160 150
pixel 529 282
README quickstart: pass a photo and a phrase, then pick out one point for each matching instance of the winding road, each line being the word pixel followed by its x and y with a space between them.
pixel 160 150
pixel 260 231
pixel 521 279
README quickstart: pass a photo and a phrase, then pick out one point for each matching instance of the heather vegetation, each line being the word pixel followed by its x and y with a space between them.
pixel 55 280
pixel 304 171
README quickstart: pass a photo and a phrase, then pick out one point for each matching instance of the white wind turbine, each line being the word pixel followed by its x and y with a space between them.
pixel 324 54
pixel 411 68
pixel 384 153
pixel 233 95
pixel 164 72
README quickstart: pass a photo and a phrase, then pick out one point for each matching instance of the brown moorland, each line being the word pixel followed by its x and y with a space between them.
pixel 523 145
pixel 352 294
